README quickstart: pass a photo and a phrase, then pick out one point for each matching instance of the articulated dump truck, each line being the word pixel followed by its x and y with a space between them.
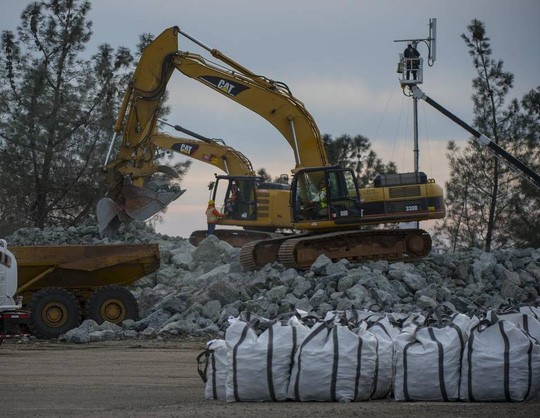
pixel 51 289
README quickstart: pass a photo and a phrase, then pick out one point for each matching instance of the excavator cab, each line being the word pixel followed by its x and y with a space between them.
pixel 325 194
pixel 236 196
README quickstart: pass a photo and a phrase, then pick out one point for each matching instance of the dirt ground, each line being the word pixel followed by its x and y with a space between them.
pixel 159 379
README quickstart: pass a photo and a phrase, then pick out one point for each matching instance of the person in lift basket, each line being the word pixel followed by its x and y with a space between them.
pixel 412 61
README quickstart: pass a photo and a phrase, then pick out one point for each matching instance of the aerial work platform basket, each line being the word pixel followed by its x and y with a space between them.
pixel 410 70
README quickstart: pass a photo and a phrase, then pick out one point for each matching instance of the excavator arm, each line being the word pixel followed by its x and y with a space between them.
pixel 141 102
pixel 129 173
pixel 131 170
pixel 136 199
pixel 221 156
pixel 271 100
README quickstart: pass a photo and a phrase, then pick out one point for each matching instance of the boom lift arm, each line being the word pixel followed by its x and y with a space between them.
pixel 483 140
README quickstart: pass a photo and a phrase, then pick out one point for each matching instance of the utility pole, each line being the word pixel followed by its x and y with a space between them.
pixel 410 67
pixel 416 150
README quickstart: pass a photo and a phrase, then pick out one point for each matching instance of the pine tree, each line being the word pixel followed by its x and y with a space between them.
pixel 261 172
pixel 356 153
pixel 525 214
pixel 484 194
pixel 56 114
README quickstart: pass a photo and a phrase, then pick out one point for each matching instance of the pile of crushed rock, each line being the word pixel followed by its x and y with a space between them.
pixel 197 289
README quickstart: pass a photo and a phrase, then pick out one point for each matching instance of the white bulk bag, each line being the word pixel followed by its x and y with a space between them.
pixel 259 366
pixel 402 320
pixel 465 324
pixel 526 322
pixel 384 373
pixel 357 316
pixel 334 364
pixel 531 311
pixel 501 363
pixel 215 371
pixel 428 362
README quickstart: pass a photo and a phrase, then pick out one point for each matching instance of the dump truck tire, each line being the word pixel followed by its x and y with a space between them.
pixel 112 303
pixel 53 312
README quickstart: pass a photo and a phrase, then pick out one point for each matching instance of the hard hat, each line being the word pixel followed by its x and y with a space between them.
pixel 210 202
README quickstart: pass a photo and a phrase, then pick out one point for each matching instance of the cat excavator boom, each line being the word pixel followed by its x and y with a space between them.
pixel 208 150
pixel 133 168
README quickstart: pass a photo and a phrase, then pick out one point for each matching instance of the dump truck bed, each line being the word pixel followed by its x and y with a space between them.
pixel 83 266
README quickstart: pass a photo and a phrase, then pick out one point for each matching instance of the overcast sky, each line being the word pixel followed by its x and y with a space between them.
pixel 338 57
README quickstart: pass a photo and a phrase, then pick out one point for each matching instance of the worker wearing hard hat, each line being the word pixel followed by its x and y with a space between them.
pixel 212 215
pixel 321 204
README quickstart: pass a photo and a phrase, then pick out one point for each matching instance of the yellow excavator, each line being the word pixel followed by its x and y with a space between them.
pixel 238 171
pixel 332 225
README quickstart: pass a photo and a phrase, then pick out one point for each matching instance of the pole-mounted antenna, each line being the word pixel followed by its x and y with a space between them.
pixel 430 41
pixel 432 48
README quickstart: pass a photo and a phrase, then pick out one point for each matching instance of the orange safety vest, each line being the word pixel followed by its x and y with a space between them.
pixel 212 215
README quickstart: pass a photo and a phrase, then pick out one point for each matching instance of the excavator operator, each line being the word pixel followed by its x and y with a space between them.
pixel 231 202
pixel 319 201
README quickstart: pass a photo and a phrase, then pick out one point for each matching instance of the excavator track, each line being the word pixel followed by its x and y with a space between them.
pixel 301 251
pixel 391 245
pixel 235 237
pixel 256 254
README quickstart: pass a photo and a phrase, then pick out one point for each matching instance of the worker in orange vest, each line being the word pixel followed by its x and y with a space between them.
pixel 212 215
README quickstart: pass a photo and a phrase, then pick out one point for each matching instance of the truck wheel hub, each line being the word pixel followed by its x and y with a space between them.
pixel 54 314
pixel 113 311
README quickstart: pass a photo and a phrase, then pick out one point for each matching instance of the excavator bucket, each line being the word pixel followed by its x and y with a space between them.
pixel 138 203
pixel 109 216
pixel 141 204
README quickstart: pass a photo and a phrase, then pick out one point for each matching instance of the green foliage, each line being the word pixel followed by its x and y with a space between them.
pixel 525 205
pixel 346 151
pixel 489 205
pixel 356 153
pixel 57 110
pixel 261 172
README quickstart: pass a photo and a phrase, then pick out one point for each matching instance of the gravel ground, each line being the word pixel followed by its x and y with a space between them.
pixel 159 379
